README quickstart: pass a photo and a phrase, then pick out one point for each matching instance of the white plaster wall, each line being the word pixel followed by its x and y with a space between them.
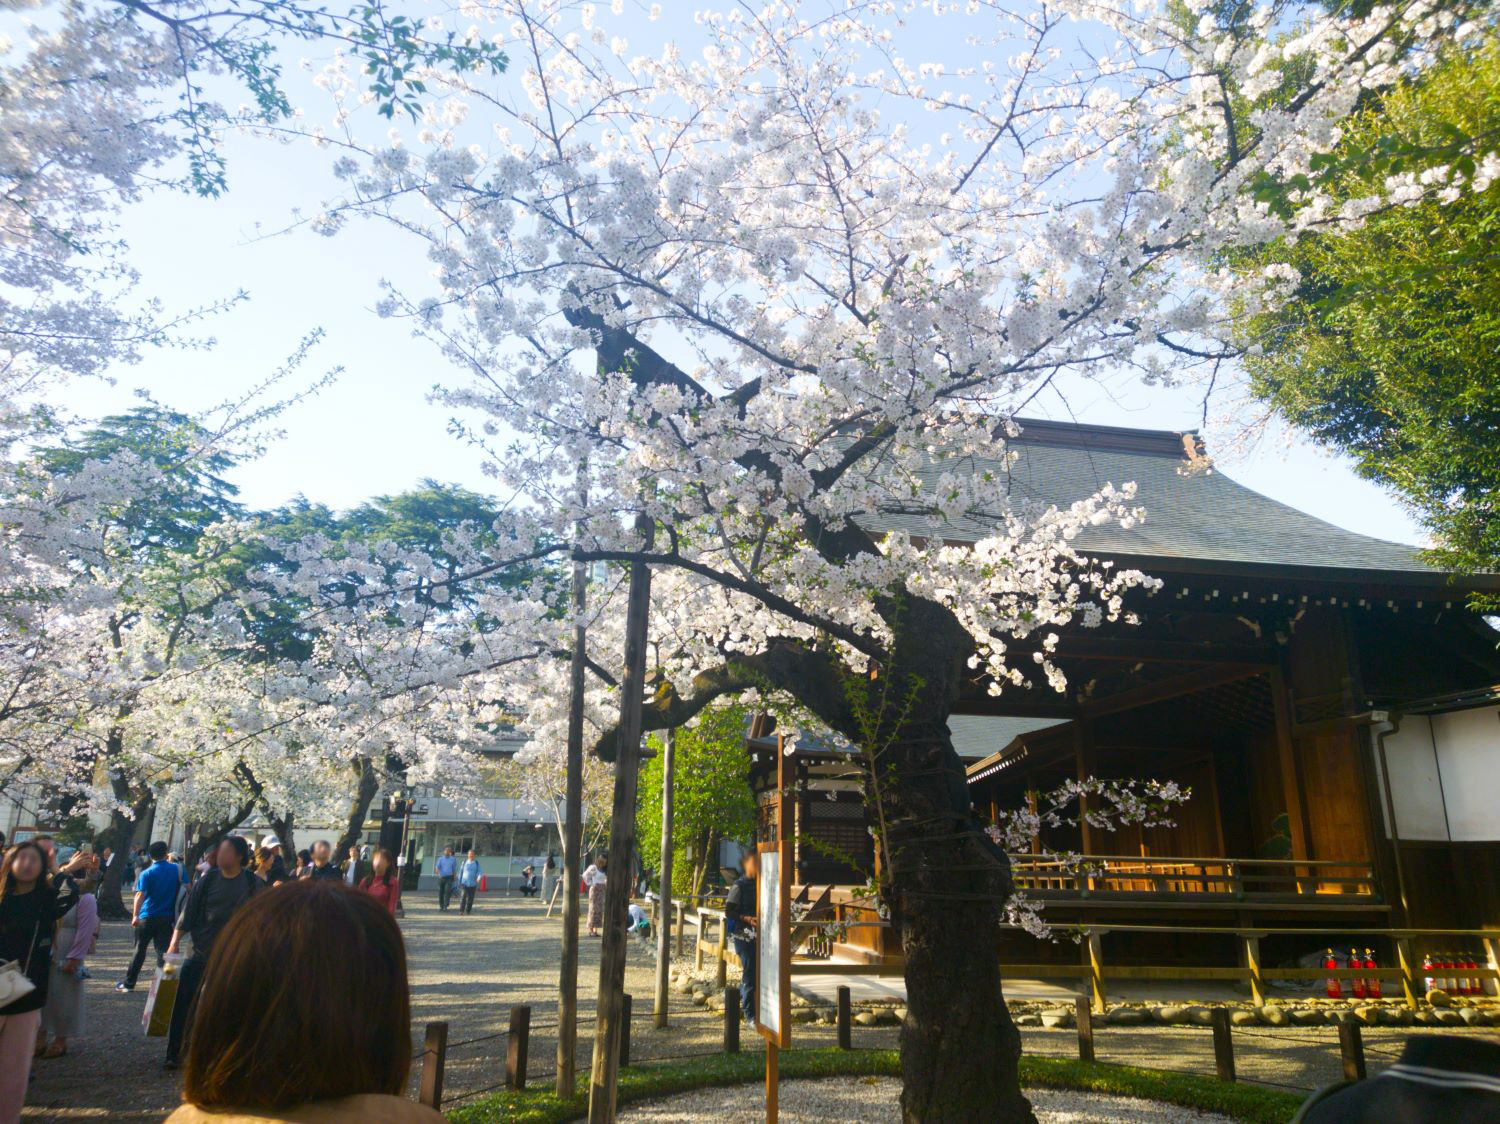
pixel 1468 755
pixel 1416 788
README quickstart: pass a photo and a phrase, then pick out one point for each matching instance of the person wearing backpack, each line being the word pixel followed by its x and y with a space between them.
pixel 210 904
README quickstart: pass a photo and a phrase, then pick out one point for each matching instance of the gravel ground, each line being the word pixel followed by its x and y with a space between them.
pixel 471 970
pixel 872 1100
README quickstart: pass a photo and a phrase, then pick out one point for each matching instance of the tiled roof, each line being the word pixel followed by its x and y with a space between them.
pixel 977 736
pixel 1191 515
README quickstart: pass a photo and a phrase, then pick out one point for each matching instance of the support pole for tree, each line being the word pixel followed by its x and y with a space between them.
pixel 606 1070
pixel 567 982
pixel 664 931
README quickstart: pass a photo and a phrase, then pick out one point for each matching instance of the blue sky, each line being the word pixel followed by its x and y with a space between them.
pixel 374 432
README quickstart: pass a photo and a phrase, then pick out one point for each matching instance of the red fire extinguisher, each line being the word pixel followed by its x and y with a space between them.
pixel 1334 990
pixel 1358 982
pixel 1471 983
pixel 1429 981
pixel 1372 983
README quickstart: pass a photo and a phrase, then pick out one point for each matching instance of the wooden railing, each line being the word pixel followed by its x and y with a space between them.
pixel 1094 969
pixel 1239 879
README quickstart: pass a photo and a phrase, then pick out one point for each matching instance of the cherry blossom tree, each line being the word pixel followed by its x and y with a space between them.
pixel 777 285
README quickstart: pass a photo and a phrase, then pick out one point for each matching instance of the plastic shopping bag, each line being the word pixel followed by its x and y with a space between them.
pixel 162 997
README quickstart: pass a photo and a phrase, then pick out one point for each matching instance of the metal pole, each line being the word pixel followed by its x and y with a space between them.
pixel 567 983
pixel 606 1070
pixel 664 931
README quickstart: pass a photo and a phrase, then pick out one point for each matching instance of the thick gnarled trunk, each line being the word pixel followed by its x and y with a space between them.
pixel 946 884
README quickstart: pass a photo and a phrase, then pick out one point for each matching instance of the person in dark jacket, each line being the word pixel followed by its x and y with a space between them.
pixel 322 865
pixel 740 909
pixel 32 900
pixel 1438 1078
pixel 211 902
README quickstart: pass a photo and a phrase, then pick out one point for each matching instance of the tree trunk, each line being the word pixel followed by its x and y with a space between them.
pixel 956 1016
pixel 117 837
pixel 367 786
pixel 603 1085
pixel 572 827
pixel 944 882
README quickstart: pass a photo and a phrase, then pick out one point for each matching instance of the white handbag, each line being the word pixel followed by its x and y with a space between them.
pixel 14 982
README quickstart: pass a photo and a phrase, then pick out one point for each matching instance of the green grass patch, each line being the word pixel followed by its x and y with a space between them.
pixel 660 1079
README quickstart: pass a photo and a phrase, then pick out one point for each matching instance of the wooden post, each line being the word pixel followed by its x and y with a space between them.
pixel 1252 962
pixel 1352 1050
pixel 721 970
pixel 1291 777
pixel 846 1040
pixel 1083 756
pixel 1408 967
pixel 434 1056
pixel 1094 950
pixel 572 872
pixel 681 924
pixel 773 1084
pixel 1223 1044
pixel 604 1080
pixel 518 1046
pixel 698 942
pixel 663 932
pixel 625 1006
pixel 731 1021
pixel 1492 960
pixel 1085 1029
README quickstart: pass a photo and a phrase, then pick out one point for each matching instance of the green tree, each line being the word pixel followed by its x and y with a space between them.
pixel 1387 350
pixel 711 797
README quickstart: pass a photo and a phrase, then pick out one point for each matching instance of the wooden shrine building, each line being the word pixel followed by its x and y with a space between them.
pixel 1327 696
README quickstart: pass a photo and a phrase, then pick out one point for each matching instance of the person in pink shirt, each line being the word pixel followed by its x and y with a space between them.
pixel 62 1017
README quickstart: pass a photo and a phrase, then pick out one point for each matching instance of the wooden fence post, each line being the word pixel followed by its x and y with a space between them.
pixel 1094 949
pixel 721 970
pixel 625 1029
pixel 1085 1029
pixel 434 1056
pixel 1408 972
pixel 1223 1044
pixel 845 1036
pixel 698 942
pixel 681 923
pixel 1352 1049
pixel 517 1046
pixel 731 1020
pixel 1252 962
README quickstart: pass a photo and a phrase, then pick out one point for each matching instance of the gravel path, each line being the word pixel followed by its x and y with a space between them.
pixel 471 970
pixel 872 1100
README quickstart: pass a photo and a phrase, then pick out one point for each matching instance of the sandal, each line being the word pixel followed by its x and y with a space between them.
pixel 56 1050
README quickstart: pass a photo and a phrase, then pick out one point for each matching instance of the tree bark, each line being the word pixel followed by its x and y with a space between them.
pixel 367 785
pixel 664 887
pixel 117 837
pixel 567 976
pixel 944 882
pixel 604 1082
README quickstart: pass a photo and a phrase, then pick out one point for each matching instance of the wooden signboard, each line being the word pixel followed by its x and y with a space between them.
pixel 773 968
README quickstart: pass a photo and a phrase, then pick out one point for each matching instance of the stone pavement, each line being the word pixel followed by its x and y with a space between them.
pixel 471 970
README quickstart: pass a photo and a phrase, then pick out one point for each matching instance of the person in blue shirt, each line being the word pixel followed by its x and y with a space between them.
pixel 154 911
pixel 446 867
pixel 740 913
pixel 468 879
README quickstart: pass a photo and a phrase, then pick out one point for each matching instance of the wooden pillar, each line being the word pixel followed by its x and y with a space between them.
pixel 1093 951
pixel 1409 987
pixel 1252 962
pixel 1085 762
pixel 1291 775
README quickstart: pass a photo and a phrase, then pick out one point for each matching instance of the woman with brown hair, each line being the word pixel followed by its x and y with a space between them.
pixel 31 902
pixel 382 883
pixel 313 967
